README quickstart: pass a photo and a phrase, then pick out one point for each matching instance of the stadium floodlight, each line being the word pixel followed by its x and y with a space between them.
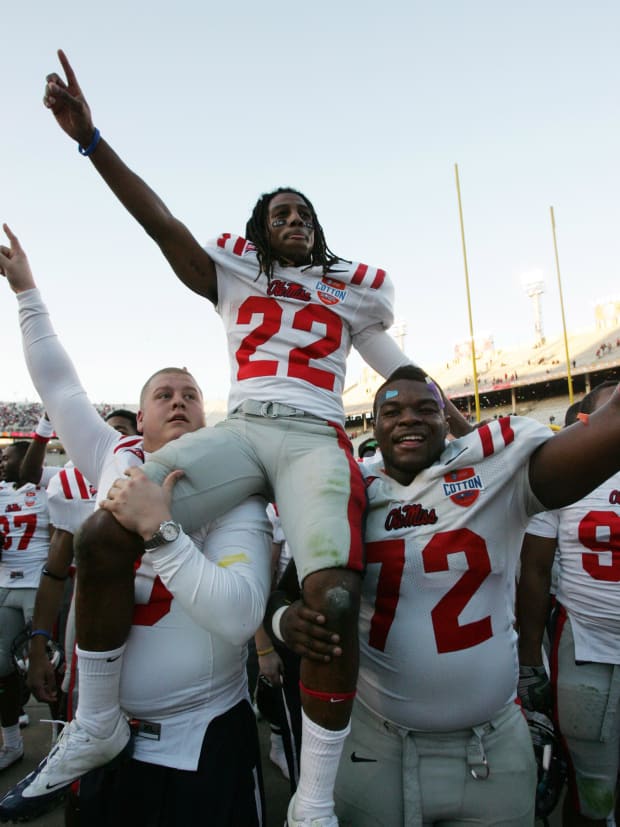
pixel 399 333
pixel 534 286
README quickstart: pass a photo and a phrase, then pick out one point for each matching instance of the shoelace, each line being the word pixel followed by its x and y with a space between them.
pixel 58 728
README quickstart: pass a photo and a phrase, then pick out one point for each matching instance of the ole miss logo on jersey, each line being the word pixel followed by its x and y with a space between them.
pixel 331 291
pixel 409 514
pixel 463 486
pixel 288 290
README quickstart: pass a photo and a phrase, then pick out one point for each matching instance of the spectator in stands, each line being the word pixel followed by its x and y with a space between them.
pixel 23 416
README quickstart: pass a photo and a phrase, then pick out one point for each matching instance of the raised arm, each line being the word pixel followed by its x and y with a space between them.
pixel 579 458
pixel 83 432
pixel 31 467
pixel 186 257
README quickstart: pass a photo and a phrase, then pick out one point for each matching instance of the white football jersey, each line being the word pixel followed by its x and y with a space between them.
pixel 588 538
pixel 438 647
pixel 288 340
pixel 179 673
pixel 198 601
pixel 71 499
pixel 25 534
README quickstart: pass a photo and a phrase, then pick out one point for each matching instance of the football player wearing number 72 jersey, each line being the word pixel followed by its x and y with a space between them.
pixel 436 734
pixel 292 311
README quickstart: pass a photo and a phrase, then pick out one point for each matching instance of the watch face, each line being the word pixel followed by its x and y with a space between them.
pixel 169 531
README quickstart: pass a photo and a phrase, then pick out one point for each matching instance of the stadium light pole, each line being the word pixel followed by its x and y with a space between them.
pixel 557 267
pixel 471 323
pixel 535 287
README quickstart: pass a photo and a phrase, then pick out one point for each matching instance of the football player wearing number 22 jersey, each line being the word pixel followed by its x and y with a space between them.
pixel 292 311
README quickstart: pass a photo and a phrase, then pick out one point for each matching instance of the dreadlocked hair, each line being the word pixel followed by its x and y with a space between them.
pixel 256 232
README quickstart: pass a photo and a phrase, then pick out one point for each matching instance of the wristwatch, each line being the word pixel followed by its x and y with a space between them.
pixel 167 532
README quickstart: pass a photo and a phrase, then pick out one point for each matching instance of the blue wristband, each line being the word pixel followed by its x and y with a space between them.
pixel 92 146
pixel 41 632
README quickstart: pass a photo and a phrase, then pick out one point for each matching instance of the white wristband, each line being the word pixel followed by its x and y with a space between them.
pixel 44 429
pixel 275 622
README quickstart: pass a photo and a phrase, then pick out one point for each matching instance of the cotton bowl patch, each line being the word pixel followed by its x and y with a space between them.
pixel 463 486
pixel 331 291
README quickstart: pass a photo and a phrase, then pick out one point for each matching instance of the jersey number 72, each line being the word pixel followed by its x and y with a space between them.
pixel 450 634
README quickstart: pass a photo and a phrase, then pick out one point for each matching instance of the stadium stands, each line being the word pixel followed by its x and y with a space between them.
pixel 529 380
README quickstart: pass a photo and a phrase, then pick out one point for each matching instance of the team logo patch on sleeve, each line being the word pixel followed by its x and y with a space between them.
pixel 463 486
pixel 331 291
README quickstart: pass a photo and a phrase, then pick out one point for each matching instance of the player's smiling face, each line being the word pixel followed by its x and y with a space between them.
pixel 172 406
pixel 290 227
pixel 410 428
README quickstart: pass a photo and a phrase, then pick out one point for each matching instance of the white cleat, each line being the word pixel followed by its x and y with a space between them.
pixel 76 753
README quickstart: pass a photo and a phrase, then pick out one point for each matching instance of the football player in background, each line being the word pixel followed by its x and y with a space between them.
pixel 123 421
pixel 436 734
pixel 25 536
pixel 585 649
pixel 183 682
pixel 292 310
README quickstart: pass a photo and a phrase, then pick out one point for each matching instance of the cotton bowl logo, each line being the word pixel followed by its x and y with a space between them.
pixel 31 499
pixel 463 486
pixel 331 291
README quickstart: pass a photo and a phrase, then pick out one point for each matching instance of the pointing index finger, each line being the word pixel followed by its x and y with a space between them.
pixel 71 78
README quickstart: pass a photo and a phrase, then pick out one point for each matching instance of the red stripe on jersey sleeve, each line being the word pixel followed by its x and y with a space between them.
pixel 66 488
pixel 221 242
pixel 128 442
pixel 378 280
pixel 358 276
pixel 506 429
pixel 239 246
pixel 82 488
pixel 486 439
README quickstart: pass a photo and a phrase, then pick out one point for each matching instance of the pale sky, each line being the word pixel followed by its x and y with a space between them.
pixel 366 108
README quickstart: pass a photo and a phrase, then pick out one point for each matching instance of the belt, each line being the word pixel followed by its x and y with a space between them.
pixel 271 410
